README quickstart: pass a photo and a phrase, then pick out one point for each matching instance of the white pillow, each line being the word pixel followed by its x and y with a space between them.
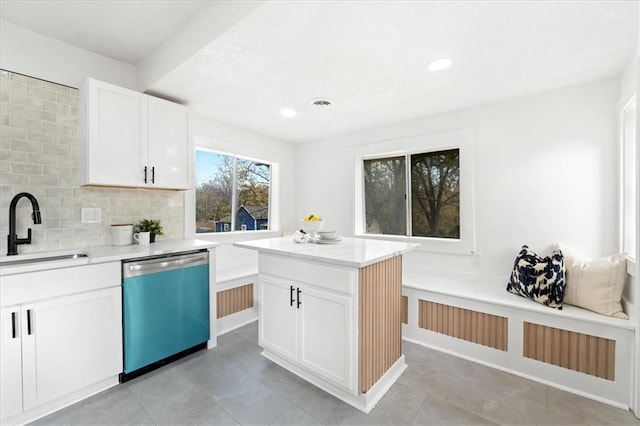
pixel 595 284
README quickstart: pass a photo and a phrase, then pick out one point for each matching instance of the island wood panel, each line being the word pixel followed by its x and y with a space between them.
pixel 473 326
pixel 404 310
pixel 580 352
pixel 234 300
pixel 379 320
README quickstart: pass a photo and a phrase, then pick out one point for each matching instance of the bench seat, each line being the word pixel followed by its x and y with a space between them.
pixel 236 296
pixel 493 290
pixel 474 317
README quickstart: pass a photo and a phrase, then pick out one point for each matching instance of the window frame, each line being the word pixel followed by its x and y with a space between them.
pixel 462 140
pixel 623 158
pixel 232 235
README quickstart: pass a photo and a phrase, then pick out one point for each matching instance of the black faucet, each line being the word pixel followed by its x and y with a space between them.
pixel 12 238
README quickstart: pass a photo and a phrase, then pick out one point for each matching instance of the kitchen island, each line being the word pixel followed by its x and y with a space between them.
pixel 331 313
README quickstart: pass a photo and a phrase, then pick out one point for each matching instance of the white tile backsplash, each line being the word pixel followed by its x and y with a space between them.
pixel 39 154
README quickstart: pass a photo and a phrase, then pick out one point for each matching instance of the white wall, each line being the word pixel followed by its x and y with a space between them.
pixel 221 137
pixel 36 55
pixel 629 78
pixel 545 170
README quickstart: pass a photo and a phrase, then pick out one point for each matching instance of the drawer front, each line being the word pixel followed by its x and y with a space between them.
pixel 336 278
pixel 32 286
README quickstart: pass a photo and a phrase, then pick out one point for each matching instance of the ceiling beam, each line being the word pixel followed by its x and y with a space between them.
pixel 210 21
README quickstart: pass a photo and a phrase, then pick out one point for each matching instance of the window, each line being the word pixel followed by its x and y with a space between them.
pixel 417 188
pixel 384 195
pixel 429 206
pixel 629 170
pixel 232 193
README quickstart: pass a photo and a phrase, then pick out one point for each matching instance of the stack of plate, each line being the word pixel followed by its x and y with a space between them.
pixel 326 237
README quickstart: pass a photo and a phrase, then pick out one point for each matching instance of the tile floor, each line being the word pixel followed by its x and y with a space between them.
pixel 233 384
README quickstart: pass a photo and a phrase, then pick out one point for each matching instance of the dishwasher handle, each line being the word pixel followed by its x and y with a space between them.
pixel 162 264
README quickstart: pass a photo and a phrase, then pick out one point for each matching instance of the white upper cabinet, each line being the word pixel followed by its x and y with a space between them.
pixel 168 144
pixel 129 139
pixel 116 126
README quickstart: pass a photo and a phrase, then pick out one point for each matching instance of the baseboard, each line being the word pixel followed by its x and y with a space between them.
pixel 237 320
pixel 60 403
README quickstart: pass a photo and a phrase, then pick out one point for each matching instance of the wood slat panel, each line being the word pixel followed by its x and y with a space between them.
pixel 404 310
pixel 472 326
pixel 379 320
pixel 587 354
pixel 234 300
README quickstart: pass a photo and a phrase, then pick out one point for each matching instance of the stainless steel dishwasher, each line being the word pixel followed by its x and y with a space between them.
pixel 165 301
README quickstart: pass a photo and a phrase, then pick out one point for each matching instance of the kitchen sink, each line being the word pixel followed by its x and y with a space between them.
pixel 7 261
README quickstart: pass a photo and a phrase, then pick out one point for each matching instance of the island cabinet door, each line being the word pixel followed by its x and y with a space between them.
pixel 327 341
pixel 278 325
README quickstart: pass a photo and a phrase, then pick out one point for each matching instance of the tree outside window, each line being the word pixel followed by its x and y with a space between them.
pixel 232 193
pixel 384 189
pixel 432 196
pixel 435 194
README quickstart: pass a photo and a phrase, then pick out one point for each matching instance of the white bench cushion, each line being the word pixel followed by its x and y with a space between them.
pixel 493 290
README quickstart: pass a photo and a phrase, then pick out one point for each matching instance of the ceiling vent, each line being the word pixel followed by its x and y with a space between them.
pixel 321 102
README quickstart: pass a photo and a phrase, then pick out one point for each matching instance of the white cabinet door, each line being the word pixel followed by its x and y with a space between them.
pixel 326 335
pixel 168 145
pixel 117 123
pixel 278 325
pixel 71 342
pixel 10 362
pixel 130 139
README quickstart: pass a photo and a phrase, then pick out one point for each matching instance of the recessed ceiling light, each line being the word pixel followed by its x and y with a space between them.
pixel 440 64
pixel 287 112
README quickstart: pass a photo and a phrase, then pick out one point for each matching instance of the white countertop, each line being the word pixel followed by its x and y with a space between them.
pixel 99 255
pixel 354 252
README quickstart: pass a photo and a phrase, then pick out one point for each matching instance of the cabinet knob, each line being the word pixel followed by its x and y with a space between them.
pixel 291 296
pixel 145 174
pixel 298 298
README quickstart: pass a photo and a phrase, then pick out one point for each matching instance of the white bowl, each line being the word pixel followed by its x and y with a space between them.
pixel 327 235
pixel 311 227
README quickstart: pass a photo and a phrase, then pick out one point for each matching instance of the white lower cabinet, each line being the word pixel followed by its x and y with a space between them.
pixel 278 318
pixel 58 347
pixel 310 326
pixel 74 341
pixel 10 362
pixel 333 323
pixel 325 333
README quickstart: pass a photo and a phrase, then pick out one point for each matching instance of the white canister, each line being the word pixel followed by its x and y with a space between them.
pixel 122 234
